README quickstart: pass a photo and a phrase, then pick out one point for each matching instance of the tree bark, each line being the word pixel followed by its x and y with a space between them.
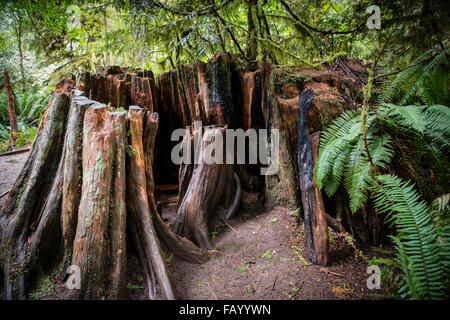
pixel 11 102
pixel 315 224
pixel 206 190
pixel 20 214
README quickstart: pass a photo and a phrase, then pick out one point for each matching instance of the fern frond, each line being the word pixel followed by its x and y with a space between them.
pixel 358 175
pixel 408 116
pixel 339 127
pixel 356 179
pixel 417 235
pixel 425 75
pixel 334 179
pixel 333 142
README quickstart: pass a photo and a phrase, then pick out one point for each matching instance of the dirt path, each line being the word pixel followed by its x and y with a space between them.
pixel 10 167
pixel 258 255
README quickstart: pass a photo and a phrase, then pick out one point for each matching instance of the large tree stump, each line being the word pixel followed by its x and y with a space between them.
pixel 24 212
pixel 68 203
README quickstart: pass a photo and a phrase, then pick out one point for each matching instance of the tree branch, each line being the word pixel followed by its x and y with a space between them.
pixel 304 24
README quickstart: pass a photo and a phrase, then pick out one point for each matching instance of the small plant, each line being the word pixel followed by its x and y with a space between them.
pixel 267 254
pixel 131 286
pixel 44 286
pixel 300 256
pixel 169 259
pixel 26 137
pixel 331 237
pixel 242 268
pixel 294 213
pixel 237 246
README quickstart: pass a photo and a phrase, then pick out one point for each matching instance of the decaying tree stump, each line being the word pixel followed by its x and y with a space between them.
pixel 26 217
pixel 72 191
pixel 86 192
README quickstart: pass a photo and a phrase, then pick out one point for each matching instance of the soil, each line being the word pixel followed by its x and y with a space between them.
pixel 10 166
pixel 258 255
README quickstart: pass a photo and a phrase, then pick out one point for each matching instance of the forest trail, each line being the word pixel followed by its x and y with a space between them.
pixel 10 166
pixel 258 255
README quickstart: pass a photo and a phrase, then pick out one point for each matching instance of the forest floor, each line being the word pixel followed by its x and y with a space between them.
pixel 257 255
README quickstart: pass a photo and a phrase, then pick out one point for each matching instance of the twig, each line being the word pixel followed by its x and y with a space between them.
pixel 207 282
pixel 5 193
pixel 229 225
pixel 273 285
pixel 296 292
pixel 408 67
pixel 326 271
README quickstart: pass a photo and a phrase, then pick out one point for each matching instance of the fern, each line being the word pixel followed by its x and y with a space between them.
pixel 360 172
pixel 417 246
pixel 423 239
pixel 337 172
pixel 425 75
pixel 334 142
pixel 409 117
pixel 428 82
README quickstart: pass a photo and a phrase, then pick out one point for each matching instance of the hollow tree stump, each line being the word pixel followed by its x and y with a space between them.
pixel 66 206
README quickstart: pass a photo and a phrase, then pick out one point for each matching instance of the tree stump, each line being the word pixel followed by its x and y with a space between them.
pixel 11 106
pixel 69 202
pixel 67 206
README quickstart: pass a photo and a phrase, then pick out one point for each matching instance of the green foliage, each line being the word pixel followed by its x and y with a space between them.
pixel 26 137
pixel 422 239
pixel 418 250
pixel 359 170
pixel 44 286
pixel 343 156
pixel 426 80
pixel 131 286
pixel 30 107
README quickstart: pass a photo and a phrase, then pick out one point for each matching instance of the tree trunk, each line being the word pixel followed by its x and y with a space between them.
pixel 252 43
pixel 207 188
pixel 23 212
pixel 11 102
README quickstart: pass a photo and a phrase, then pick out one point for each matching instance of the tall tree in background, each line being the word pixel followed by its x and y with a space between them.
pixel 11 111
